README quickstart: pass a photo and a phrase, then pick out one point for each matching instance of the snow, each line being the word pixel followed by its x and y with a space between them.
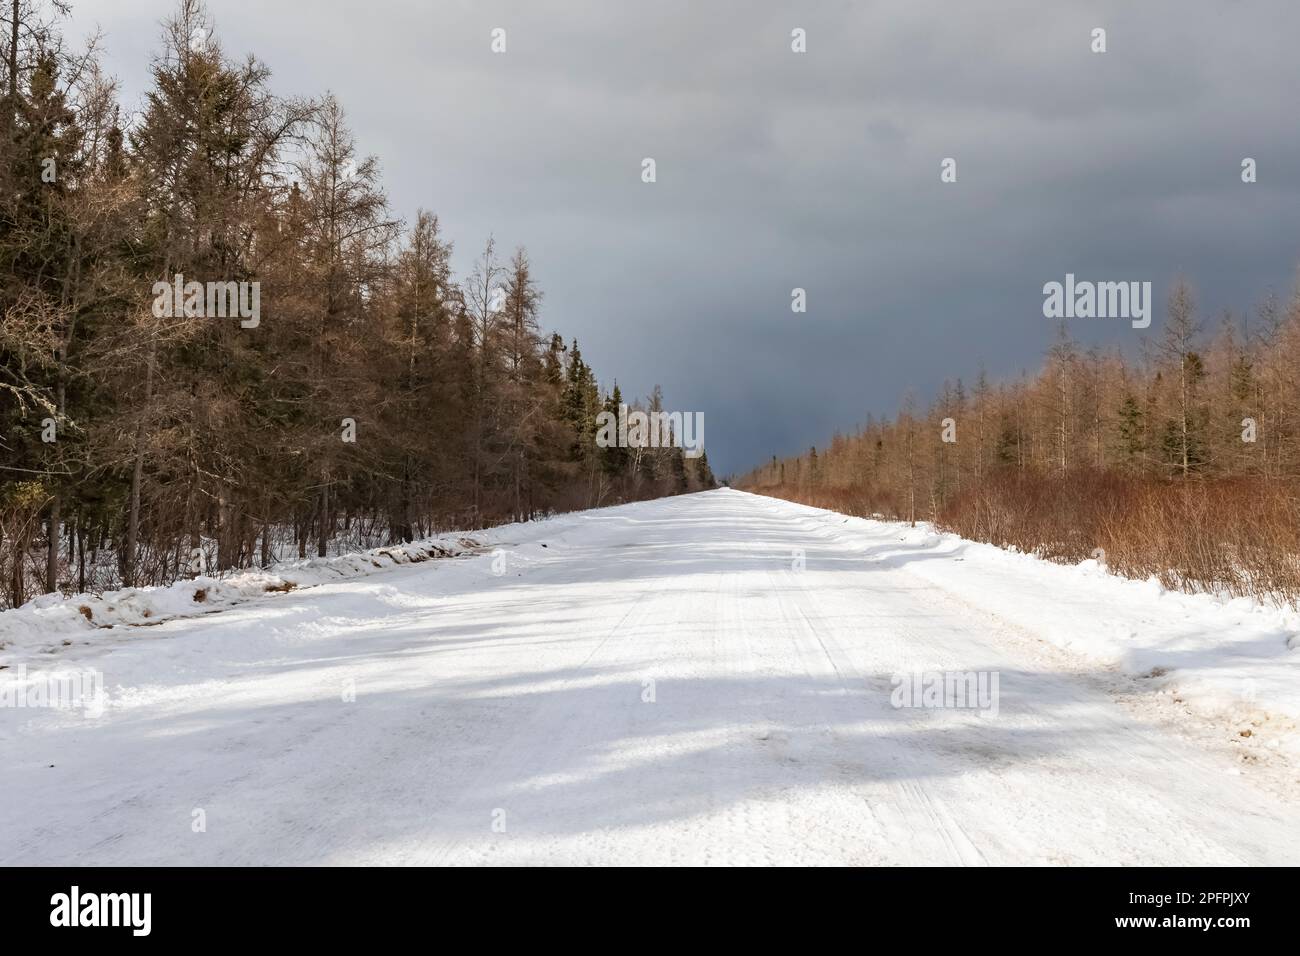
pixel 657 683
pixel 50 619
pixel 1235 659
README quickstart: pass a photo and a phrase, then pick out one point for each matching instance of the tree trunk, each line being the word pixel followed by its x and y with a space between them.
pixel 137 474
pixel 52 546
pixel 322 546
pixel 81 559
pixel 11 114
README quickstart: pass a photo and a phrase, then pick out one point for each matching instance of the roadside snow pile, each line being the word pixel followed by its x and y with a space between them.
pixel 47 621
pixel 1235 659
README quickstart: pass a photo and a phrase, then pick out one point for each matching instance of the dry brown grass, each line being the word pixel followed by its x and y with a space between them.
pixel 1237 536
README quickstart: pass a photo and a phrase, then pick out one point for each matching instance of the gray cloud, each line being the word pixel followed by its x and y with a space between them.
pixel 818 170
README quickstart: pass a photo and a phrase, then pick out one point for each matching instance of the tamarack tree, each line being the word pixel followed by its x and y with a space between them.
pixel 374 398
pixel 1182 464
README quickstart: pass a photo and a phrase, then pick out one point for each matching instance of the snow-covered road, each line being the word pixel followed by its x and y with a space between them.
pixel 659 683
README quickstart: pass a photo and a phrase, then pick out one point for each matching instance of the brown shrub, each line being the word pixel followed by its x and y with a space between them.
pixel 1238 536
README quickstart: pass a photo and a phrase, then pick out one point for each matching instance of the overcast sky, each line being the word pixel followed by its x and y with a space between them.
pixel 818 170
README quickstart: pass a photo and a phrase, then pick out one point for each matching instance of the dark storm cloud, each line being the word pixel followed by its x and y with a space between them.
pixel 818 170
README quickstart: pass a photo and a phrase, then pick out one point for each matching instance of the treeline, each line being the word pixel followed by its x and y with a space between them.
pixel 1180 463
pixel 373 397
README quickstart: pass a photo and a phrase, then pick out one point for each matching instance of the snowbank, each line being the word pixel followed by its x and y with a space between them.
pixel 50 620
pixel 1234 659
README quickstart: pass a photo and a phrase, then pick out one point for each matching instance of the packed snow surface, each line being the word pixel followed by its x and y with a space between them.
pixel 707 679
